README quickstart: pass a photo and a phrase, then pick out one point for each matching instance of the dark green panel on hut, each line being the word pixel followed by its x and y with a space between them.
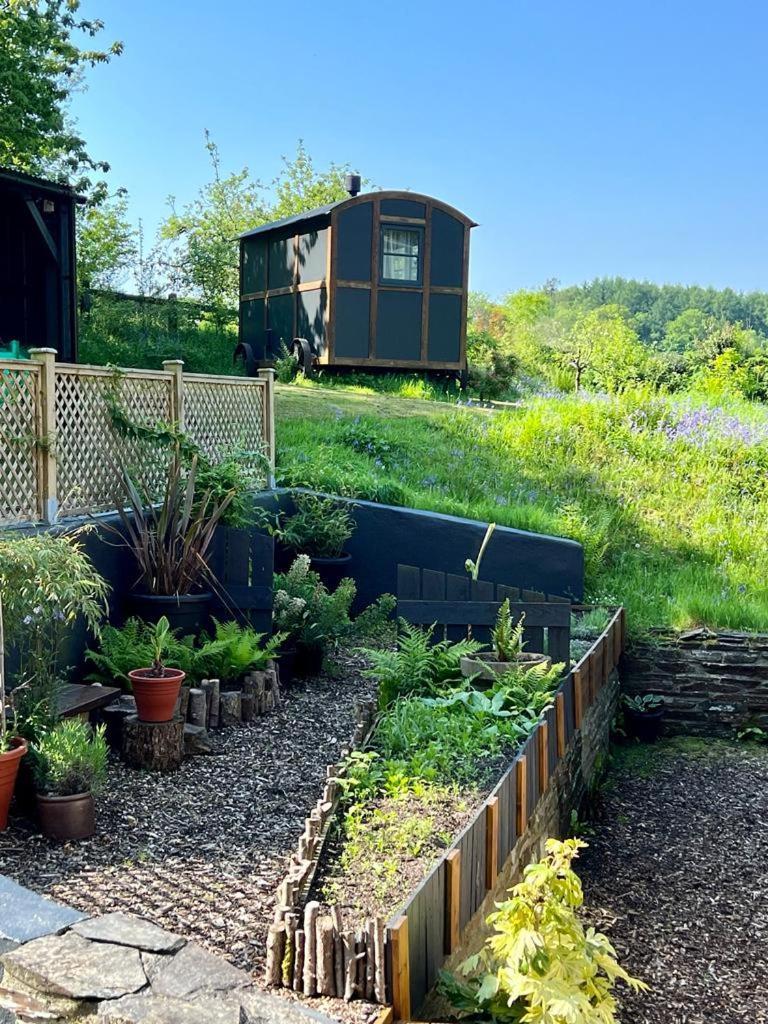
pixel 353 322
pixel 254 265
pixel 398 325
pixel 311 325
pixel 280 262
pixel 252 326
pixel 447 266
pixel 312 255
pixel 444 328
pixel 280 315
pixel 402 208
pixel 353 243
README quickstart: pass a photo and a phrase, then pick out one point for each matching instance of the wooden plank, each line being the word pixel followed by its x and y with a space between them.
pixel 491 841
pixel 452 901
pixel 532 756
pixel 417 967
pixel 567 689
pixel 481 613
pixel 521 780
pixel 559 644
pixel 578 698
pixel 433 587
pixel 465 848
pixel 408 583
pixel 481 590
pixel 81 698
pixel 561 737
pixel 456 587
pixel 401 982
pixel 478 872
pixel 552 755
pixel 542 749
pixel 435 924
pixel 504 593
pixel 532 596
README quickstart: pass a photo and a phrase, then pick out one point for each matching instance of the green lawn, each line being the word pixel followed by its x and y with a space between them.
pixel 670 501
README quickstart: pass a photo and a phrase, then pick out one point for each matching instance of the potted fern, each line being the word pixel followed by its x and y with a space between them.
pixel 69 765
pixel 157 687
pixel 507 650
pixel 12 748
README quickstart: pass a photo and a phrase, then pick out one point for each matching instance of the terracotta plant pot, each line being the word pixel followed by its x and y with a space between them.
pixel 487 667
pixel 66 817
pixel 9 769
pixel 156 696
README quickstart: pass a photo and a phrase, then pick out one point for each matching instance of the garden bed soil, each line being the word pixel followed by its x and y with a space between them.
pixel 201 851
pixel 676 875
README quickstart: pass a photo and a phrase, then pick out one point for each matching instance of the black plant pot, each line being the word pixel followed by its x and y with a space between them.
pixel 645 726
pixel 309 660
pixel 286 663
pixel 187 613
pixel 331 570
pixel 284 557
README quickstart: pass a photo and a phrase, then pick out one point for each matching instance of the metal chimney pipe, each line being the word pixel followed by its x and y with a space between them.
pixel 352 184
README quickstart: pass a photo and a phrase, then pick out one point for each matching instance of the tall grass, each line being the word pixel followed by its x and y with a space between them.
pixel 673 515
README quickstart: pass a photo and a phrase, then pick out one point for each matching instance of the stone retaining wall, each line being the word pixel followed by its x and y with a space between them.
pixel 567 790
pixel 713 684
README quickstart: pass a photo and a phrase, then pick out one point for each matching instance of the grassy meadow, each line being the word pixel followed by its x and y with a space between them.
pixel 668 494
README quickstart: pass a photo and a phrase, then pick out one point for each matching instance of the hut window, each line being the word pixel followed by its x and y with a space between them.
pixel 401 254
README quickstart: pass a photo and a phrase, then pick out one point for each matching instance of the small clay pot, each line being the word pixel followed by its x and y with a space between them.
pixel 486 666
pixel 9 769
pixel 66 817
pixel 156 696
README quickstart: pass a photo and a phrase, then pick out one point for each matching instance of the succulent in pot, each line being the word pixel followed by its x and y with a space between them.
pixel 69 765
pixel 12 748
pixel 320 527
pixel 507 649
pixel 643 716
pixel 157 687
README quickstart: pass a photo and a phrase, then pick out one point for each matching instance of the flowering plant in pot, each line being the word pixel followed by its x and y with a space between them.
pixel 507 649
pixel 156 688
pixel 12 748
pixel 643 716
pixel 69 764
pixel 320 527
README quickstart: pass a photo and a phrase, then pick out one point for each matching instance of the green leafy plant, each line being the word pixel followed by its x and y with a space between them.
pixel 122 649
pixel 752 734
pixel 417 665
pixel 286 366
pixel 319 527
pixel 306 610
pixel 642 703
pixel 49 584
pixel 590 624
pixel 170 542
pixel 234 650
pixel 541 963
pixel 506 636
pixel 70 758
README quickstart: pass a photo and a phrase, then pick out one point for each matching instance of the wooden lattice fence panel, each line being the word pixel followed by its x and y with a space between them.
pixel 19 389
pixel 91 449
pixel 224 414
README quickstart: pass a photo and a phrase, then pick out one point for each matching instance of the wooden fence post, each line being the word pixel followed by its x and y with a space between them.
pixel 560 723
pixel 401 977
pixel 267 374
pixel 176 367
pixel 491 841
pixel 521 779
pixel 48 504
pixel 542 749
pixel 452 900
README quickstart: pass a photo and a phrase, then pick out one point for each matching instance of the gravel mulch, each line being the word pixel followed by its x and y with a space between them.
pixel 201 851
pixel 677 875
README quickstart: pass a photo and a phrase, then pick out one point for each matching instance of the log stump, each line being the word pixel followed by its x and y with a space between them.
pixel 156 746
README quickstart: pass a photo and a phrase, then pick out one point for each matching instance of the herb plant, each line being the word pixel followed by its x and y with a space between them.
pixel 70 758
pixel 320 527
pixel 541 963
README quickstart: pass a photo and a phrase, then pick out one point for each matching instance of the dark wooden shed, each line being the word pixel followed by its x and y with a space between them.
pixel 37 264
pixel 376 280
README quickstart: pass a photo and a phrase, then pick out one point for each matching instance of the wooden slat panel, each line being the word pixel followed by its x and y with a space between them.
pixel 532 596
pixel 464 846
pixel 552 754
pixel 456 587
pixel 561 737
pixel 542 754
pixel 521 794
pixel 569 701
pixel 503 593
pixel 417 968
pixel 531 753
pixel 478 865
pixel 408 583
pixel 401 986
pixel 491 841
pixel 479 613
pixel 559 645
pixel 434 923
pixel 578 698
pixel 505 791
pixel 452 925
pixel 480 590
pixel 433 587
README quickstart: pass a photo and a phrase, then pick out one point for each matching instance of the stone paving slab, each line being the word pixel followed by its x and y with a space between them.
pixel 25 916
pixel 194 969
pixel 127 930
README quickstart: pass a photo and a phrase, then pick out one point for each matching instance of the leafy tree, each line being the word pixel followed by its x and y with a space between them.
pixel 41 65
pixel 106 244
pixel 300 187
pixel 603 346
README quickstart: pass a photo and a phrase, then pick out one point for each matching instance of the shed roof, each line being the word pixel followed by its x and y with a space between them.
pixel 324 211
pixel 20 178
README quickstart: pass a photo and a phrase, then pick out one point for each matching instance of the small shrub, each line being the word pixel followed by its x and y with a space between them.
pixel 234 650
pixel 541 963
pixel 320 527
pixel 71 758
pixel 286 367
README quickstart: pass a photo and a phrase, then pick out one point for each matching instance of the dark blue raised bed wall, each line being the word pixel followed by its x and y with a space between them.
pixel 387 535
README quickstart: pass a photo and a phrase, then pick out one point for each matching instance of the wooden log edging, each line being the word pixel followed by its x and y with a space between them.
pixel 320 955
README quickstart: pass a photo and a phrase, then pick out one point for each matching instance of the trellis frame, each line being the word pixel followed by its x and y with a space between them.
pixel 60 453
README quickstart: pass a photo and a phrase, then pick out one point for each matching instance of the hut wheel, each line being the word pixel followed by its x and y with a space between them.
pixel 302 353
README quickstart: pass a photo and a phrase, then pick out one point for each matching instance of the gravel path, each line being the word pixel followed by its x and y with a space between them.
pixel 677 875
pixel 202 851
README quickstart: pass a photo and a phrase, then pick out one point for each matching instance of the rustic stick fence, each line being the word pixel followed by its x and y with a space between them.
pixel 397 962
pixel 60 448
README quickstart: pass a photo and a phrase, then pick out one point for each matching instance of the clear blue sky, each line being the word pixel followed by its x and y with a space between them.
pixel 587 139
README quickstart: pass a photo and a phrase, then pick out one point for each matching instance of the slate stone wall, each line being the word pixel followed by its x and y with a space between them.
pixel 713 684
